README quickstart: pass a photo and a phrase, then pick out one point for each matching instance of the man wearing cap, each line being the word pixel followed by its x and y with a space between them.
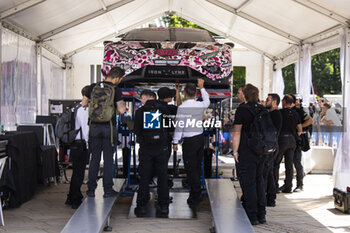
pixel 165 96
pixel 152 154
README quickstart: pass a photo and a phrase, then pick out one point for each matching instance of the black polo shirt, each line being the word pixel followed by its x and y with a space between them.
pixel 244 117
pixel 290 120
pixel 139 122
pixel 302 114
pixel 276 118
pixel 172 110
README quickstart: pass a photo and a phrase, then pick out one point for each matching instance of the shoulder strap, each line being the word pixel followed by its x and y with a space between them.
pixel 99 84
pixel 77 106
pixel 96 85
pixel 107 84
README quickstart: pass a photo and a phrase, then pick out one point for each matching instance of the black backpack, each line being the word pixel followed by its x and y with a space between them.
pixel 155 136
pixel 65 126
pixel 262 135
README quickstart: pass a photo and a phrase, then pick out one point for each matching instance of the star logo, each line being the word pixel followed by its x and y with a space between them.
pixel 151 120
pixel 156 115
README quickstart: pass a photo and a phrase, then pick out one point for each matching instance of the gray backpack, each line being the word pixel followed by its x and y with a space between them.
pixel 65 126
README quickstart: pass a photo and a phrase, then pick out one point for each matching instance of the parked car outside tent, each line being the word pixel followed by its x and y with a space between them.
pixel 168 55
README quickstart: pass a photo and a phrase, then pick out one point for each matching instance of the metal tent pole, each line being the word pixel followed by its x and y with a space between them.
pixel 134 144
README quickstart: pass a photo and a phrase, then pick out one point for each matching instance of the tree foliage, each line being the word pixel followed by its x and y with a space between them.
pixel 178 22
pixel 325 74
pixel 239 73
pixel 289 80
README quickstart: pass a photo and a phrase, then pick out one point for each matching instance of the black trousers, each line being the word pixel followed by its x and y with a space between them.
pixel 208 154
pixel 153 162
pixel 298 166
pixel 192 155
pixel 80 157
pixel 125 152
pixel 250 175
pixel 286 147
pixel 100 140
pixel 269 178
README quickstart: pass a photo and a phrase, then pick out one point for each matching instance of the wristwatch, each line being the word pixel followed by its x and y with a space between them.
pixel 235 153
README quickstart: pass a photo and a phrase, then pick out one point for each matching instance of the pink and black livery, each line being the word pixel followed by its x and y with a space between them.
pixel 168 55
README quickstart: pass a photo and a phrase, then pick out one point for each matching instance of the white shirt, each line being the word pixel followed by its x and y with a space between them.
pixel 332 115
pixel 81 120
pixel 191 111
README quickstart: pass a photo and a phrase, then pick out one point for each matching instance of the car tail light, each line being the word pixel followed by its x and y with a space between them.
pixel 166 52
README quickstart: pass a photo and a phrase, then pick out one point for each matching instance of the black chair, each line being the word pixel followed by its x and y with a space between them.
pixel 44 132
pixel 46 120
pixel 3 159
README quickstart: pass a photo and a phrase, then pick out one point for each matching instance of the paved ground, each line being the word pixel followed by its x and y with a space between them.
pixel 308 211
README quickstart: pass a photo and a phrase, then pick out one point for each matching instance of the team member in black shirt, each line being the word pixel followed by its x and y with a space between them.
pixel 100 137
pixel 272 102
pixel 153 155
pixel 165 96
pixel 306 121
pixel 287 142
pixel 249 165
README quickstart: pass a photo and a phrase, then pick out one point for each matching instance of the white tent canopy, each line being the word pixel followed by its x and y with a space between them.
pixel 273 28
pixel 279 30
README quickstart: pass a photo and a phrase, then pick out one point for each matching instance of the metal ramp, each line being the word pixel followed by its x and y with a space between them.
pixel 228 213
pixel 94 213
pixel 178 209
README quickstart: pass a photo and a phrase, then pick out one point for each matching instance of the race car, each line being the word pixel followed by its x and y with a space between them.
pixel 169 55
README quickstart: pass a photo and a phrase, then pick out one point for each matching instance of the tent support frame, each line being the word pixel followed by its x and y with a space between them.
pixel 19 8
pixel 38 76
pixel 243 5
pixel 84 19
pixel 346 86
pixel 320 9
pixel 249 46
pixel 255 21
pixel 0 67
pixel 111 35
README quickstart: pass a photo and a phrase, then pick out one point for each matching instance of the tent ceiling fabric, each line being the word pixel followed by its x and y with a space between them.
pixel 271 27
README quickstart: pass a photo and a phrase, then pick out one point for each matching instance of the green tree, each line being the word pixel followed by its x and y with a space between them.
pixel 239 73
pixel 178 22
pixel 325 74
pixel 289 80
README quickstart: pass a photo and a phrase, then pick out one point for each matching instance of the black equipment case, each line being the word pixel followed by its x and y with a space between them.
pixel 342 200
